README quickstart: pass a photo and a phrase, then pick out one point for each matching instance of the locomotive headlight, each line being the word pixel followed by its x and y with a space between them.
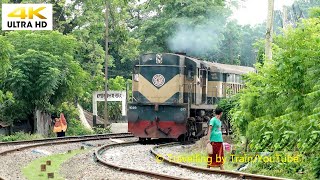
pixel 178 118
pixel 136 77
pixel 133 116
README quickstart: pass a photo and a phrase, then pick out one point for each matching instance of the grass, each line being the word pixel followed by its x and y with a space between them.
pixel 33 171
pixel 18 136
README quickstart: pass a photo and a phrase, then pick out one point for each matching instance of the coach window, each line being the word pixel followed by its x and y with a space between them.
pixel 228 77
pixel 214 76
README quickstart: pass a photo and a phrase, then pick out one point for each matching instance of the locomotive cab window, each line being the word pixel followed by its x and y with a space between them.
pixel 190 72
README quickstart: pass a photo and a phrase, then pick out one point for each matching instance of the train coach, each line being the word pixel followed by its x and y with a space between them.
pixel 174 95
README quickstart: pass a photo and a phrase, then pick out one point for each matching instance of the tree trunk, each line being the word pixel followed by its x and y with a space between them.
pixel 268 46
pixel 246 145
pixel 41 123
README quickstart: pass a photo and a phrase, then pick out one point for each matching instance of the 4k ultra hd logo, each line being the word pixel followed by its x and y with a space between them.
pixel 26 16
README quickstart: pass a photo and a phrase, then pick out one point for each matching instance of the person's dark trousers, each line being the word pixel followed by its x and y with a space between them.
pixel 61 134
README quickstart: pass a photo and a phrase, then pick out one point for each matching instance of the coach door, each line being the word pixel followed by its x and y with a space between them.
pixel 198 86
pixel 204 84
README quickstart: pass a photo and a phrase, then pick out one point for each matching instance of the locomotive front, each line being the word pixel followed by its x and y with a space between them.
pixel 157 109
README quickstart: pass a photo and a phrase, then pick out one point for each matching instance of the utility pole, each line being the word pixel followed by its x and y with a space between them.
pixel 285 17
pixel 106 121
pixel 268 46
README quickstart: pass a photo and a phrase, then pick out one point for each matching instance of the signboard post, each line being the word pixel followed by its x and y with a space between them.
pixel 112 96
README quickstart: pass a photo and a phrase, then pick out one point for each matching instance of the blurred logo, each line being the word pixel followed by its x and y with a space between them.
pixel 26 16
pixel 158 80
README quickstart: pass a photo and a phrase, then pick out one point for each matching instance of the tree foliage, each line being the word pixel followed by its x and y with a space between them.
pixel 6 97
pixel 163 25
pixel 43 72
pixel 279 109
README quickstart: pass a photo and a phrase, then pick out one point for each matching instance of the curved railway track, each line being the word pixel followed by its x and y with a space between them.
pixel 63 138
pixel 239 175
pixel 99 151
pixel 69 139
pixel 51 141
pixel 98 154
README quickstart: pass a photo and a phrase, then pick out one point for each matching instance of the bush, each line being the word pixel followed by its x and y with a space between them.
pixel 75 128
pixel 292 170
pixel 98 130
pixel 69 110
pixel 19 136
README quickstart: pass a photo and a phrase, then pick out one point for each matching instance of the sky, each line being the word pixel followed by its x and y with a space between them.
pixel 255 11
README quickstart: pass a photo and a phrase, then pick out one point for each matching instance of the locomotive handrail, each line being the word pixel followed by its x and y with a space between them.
pixel 160 65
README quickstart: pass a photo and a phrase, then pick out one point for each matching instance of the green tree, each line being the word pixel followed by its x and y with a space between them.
pixel 5 54
pixel 89 30
pixel 118 83
pixel 229 50
pixel 165 26
pixel 6 97
pixel 279 109
pixel 44 72
pixel 249 52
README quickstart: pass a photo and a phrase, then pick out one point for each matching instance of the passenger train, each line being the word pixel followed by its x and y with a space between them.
pixel 174 95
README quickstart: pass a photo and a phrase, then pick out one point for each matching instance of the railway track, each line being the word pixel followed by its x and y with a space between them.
pixel 51 141
pixel 62 138
pixel 8 154
pixel 98 154
pixel 229 174
pixel 239 175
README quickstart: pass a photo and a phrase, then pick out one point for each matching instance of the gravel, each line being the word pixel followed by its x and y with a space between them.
pixel 176 151
pixel 88 169
pixel 139 157
pixel 11 164
pixel 7 147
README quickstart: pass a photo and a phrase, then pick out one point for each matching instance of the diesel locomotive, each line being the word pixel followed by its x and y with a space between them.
pixel 174 95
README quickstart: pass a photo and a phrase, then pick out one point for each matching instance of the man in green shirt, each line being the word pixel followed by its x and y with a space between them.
pixel 216 140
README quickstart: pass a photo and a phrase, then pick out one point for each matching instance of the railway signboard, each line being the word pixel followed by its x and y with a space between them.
pixel 112 95
pixel 98 96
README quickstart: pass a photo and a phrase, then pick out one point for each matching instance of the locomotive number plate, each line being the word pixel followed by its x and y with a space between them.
pixel 159 58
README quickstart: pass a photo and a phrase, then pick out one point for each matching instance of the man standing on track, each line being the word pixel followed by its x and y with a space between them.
pixel 215 139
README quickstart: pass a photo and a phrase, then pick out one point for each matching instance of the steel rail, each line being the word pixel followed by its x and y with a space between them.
pixel 241 175
pixel 98 157
pixel 66 140
pixel 59 138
